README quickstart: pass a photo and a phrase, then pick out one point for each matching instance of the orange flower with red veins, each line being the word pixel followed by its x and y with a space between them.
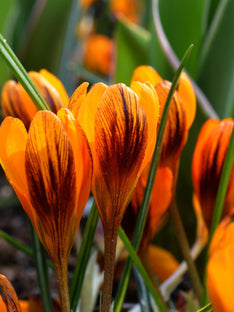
pixel 98 54
pixel 207 164
pixel 50 170
pixel 16 102
pixel 120 124
pixel 181 113
pixel 220 269
pixel 160 200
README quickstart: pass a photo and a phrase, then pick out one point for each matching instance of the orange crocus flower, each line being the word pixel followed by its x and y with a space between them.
pixel 98 54
pixel 50 170
pixel 220 269
pixel 181 114
pixel 120 124
pixel 207 164
pixel 16 102
pixel 128 9
pixel 160 200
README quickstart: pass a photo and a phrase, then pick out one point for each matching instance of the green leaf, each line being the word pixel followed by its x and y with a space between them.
pixel 83 257
pixel 216 73
pixel 182 22
pixel 42 271
pixel 207 308
pixel 142 292
pixel 132 49
pixel 20 73
pixel 142 271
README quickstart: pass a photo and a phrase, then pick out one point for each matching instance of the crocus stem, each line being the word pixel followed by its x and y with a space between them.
pixel 61 272
pixel 109 265
pixel 182 238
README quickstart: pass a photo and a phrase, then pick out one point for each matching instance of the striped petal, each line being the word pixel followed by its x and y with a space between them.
pixel 208 159
pixel 83 158
pixel 48 91
pixel 15 102
pixel 175 134
pixel 150 103
pixel 57 84
pixel 51 175
pixel 121 134
pixel 9 295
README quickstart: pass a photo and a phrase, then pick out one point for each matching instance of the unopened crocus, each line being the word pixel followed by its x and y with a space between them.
pixel 50 170
pixel 129 9
pixel 208 159
pixel 120 124
pixel 180 117
pixel 16 102
pixel 98 54
pixel 220 269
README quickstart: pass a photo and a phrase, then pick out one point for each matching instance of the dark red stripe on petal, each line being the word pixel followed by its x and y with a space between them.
pixel 51 175
pixel 120 141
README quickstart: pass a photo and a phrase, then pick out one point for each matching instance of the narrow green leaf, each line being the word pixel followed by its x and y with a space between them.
pixel 21 74
pixel 148 190
pixel 207 308
pixel 142 271
pixel 42 271
pixel 142 292
pixel 83 257
pixel 209 38
pixel 17 244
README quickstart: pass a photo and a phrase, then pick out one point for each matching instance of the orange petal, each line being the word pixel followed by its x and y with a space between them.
pixel 160 200
pixel 83 159
pixel 9 295
pixel 146 73
pixel 121 135
pixel 188 97
pixel 16 102
pixel 51 172
pixel 150 103
pixel 163 262
pixel 13 138
pixel 54 81
pixel 49 92
pixel 220 270
pixel 207 166
pixel 77 99
pixel 88 110
pixel 202 231
pixel 175 134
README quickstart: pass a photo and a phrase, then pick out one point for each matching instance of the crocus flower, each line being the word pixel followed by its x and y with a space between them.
pixel 50 170
pixel 16 102
pixel 181 114
pixel 98 54
pixel 220 269
pixel 128 9
pixel 160 200
pixel 208 159
pixel 120 124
